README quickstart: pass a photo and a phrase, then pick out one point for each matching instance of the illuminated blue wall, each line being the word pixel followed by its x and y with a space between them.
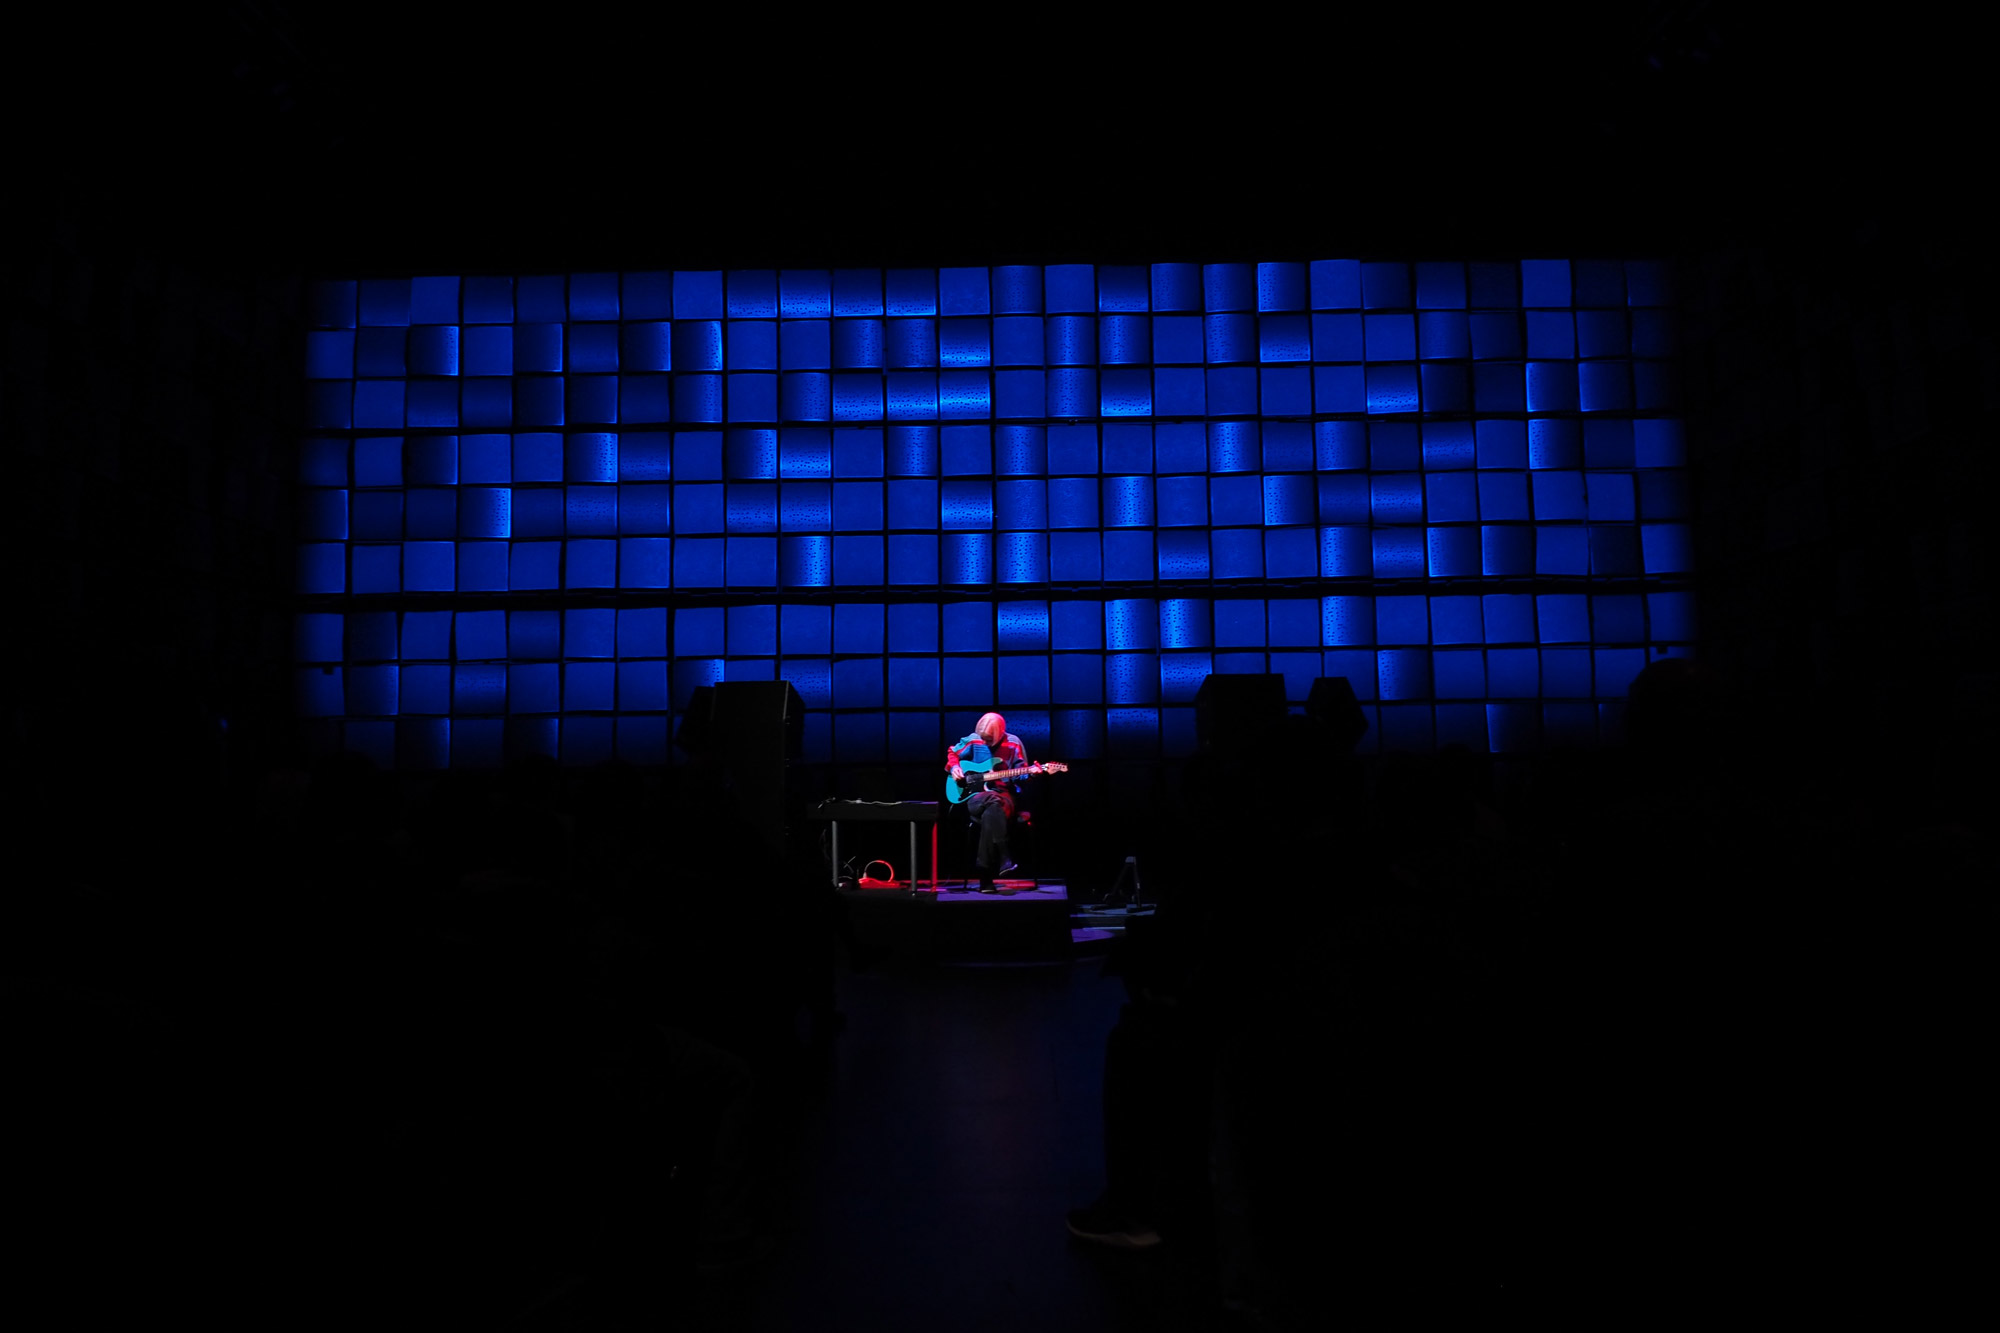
pixel 538 512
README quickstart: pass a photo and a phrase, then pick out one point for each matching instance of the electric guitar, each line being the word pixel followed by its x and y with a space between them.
pixel 978 773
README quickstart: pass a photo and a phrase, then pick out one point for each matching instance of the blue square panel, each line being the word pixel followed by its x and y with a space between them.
pixel 967 681
pixel 697 562
pixel 1658 443
pixel 1496 337
pixel 645 562
pixel 1128 557
pixel 857 628
pixel 1501 444
pixel 1608 444
pixel 1561 550
pixel 1019 340
pixel 1232 391
pixel 1403 673
pixel 1455 620
pixel 1554 444
pixel 1076 678
pixel 1545 282
pixel 1236 500
pixel 646 295
pixel 478 743
pixel 806 561
pixel 1177 286
pixel 1178 340
pixel 1513 673
pixel 591 565
pixel 1608 497
pixel 1551 335
pixel 1566 673
pixel 1453 552
pixel 1451 497
pixel 1291 553
pixel 1345 551
pixel 1335 284
pixel 1392 388
pixel 1281 286
pixel 1443 335
pixel 1287 500
pixel 1288 446
pixel 1069 288
pixel 1337 337
pixel 1558 495
pixel 1075 557
pixel 1385 286
pixel 1342 445
pixel 1440 286
pixel 1131 623
pixel 1499 386
pixel 1390 337
pixel 1494 285
pixel 967 627
pixel 424 689
pixel 1445 387
pixel 1509 618
pixel 1605 386
pixel 1396 497
pixel 1398 553
pixel 1671 616
pixel 964 291
pixel 857 562
pixel 1228 287
pixel 1021 557
pixel 1614 550
pixel 1286 391
pixel 751 562
pixel 1123 287
pixel 912 560
pixel 1239 623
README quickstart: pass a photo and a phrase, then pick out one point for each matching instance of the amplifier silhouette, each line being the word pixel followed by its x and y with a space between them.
pixel 747 734
pixel 1332 706
pixel 1232 714
pixel 744 723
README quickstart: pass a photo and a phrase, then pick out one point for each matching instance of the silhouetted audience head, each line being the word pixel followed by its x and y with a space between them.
pixel 1676 707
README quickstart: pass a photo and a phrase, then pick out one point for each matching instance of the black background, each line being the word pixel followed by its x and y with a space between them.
pixel 350 140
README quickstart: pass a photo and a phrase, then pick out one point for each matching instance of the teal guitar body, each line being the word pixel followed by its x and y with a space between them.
pixel 975 771
pixel 978 772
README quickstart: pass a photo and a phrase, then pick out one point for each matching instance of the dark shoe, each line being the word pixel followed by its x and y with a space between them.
pixel 1099 1224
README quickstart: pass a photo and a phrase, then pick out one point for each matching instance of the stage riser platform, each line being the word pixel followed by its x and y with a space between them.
pixel 959 924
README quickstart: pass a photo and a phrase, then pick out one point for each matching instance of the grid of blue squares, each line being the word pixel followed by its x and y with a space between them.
pixel 1176 438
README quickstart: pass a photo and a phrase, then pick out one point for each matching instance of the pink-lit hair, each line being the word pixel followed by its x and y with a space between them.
pixel 999 725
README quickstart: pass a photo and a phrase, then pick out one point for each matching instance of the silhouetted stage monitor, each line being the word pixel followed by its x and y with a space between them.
pixel 1232 712
pixel 1331 704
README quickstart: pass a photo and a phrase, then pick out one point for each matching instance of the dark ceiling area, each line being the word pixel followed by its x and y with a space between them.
pixel 299 139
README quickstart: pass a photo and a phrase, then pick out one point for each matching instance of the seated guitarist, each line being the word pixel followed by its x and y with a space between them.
pixel 993 806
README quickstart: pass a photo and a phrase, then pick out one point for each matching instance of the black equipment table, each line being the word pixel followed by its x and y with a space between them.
pixel 887 812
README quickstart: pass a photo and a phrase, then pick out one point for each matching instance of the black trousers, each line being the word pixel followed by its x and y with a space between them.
pixel 990 812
